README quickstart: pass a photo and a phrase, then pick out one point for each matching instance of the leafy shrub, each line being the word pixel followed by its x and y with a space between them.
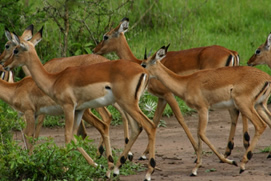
pixel 51 162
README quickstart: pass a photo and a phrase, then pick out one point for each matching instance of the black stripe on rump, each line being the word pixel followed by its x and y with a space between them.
pixel 228 61
pixel 262 90
pixel 139 84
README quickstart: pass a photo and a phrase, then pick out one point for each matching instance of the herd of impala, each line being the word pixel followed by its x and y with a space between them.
pixel 205 78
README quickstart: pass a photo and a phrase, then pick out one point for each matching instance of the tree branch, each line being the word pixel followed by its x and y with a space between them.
pixel 143 15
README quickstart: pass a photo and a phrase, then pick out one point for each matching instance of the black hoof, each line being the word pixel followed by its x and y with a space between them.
pixel 221 161
pixel 269 156
pixel 241 171
pixel 141 158
pixel 131 157
pixel 234 163
pixel 192 175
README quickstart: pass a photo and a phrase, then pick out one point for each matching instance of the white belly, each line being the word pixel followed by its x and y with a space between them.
pixel 51 110
pixel 223 105
pixel 98 102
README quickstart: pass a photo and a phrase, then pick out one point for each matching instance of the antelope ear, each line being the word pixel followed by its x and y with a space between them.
pixel 15 39
pixel 268 41
pixel 161 53
pixel 124 25
pixel 28 33
pixel 37 37
pixel 8 34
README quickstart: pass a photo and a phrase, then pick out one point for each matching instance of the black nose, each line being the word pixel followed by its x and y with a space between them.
pixel 143 65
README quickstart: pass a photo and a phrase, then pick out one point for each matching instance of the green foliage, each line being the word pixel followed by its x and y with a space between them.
pixel 266 149
pixel 9 121
pixel 51 162
pixel 237 25
pixel 210 170
pixel 52 121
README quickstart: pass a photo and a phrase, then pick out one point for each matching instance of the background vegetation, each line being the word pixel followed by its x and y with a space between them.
pixel 73 27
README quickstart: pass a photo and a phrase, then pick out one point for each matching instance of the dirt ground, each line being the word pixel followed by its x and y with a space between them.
pixel 175 155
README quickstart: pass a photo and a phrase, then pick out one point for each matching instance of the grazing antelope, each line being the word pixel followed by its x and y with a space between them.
pixel 57 65
pixel 262 54
pixel 182 62
pixel 90 86
pixel 239 87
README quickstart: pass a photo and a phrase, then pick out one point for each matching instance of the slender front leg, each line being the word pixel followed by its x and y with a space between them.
pixel 203 120
pixel 29 130
pixel 40 120
pixel 265 115
pixel 69 128
pixel 103 128
pixel 156 119
pixel 107 118
pixel 150 128
pixel 234 113
pixel 125 120
pixel 176 110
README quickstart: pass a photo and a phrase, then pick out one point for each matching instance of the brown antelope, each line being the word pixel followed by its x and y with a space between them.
pixel 239 87
pixel 182 62
pixel 262 54
pixel 59 64
pixel 25 97
pixel 90 86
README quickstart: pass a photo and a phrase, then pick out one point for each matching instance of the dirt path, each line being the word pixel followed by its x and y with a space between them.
pixel 175 155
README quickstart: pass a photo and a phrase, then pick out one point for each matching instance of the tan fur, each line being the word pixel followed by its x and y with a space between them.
pixel 71 89
pixel 55 65
pixel 262 55
pixel 182 62
pixel 245 87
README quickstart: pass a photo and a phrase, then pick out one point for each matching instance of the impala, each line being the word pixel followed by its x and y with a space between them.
pixel 238 87
pixel 182 62
pixel 262 54
pixel 29 100
pixel 90 86
pixel 56 65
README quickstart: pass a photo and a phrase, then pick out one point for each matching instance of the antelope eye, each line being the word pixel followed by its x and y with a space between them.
pixel 105 37
pixel 16 51
pixel 258 52
pixel 7 46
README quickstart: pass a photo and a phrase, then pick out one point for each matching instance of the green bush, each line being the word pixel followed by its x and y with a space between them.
pixel 52 162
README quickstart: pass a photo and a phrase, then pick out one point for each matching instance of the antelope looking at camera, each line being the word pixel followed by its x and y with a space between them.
pixel 26 98
pixel 57 65
pixel 90 86
pixel 238 87
pixel 182 62
pixel 262 54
